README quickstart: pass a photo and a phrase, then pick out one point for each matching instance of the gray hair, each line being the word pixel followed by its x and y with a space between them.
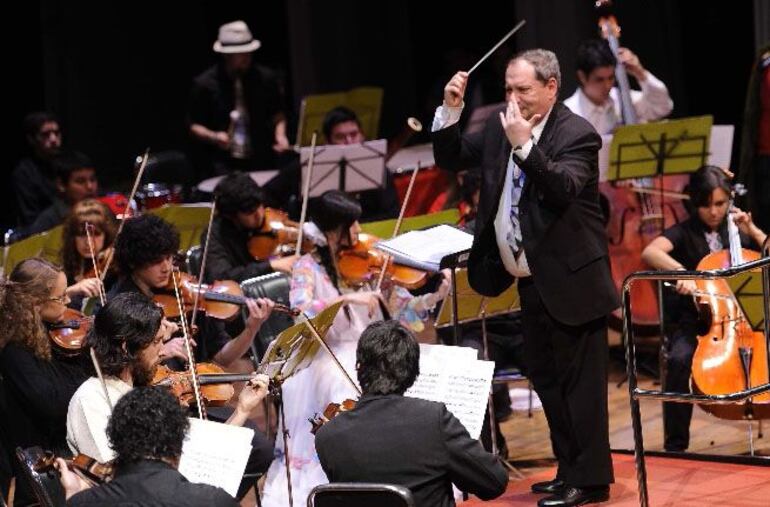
pixel 545 63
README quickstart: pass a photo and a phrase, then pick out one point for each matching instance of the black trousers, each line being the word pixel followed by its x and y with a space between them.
pixel 568 369
pixel 677 416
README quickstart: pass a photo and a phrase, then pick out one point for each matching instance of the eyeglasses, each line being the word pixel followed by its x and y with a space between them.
pixel 62 300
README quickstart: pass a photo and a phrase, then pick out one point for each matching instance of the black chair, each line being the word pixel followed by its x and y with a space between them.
pixel 274 286
pixel 193 259
pixel 46 486
pixel 356 494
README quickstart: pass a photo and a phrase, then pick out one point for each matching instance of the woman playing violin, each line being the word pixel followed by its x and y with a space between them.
pixel 681 247
pixel 241 214
pixel 37 383
pixel 144 254
pixel 315 285
pixel 76 252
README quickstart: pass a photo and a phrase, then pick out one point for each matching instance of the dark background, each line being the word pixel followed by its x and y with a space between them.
pixel 118 73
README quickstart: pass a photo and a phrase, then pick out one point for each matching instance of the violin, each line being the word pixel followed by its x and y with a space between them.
pixel 68 335
pixel 102 263
pixel 330 412
pixel 276 237
pixel 361 263
pixel 730 356
pixel 215 385
pixel 222 299
pixel 86 467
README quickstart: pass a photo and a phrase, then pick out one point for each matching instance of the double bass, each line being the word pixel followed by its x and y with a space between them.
pixel 637 210
pixel 730 356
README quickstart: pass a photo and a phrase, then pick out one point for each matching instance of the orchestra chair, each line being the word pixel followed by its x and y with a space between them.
pixel 355 494
pixel 513 375
pixel 273 286
pixel 46 486
pixel 193 258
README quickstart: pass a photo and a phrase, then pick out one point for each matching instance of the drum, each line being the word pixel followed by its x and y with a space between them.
pixel 155 195
pixel 117 204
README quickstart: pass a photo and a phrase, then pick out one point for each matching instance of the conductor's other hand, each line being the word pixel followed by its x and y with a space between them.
pixel 454 91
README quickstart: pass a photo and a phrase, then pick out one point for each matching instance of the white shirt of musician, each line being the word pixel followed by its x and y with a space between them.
pixel 88 414
pixel 650 104
pixel 515 265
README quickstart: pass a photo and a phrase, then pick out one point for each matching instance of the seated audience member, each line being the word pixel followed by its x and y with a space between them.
pixel 146 432
pixel 395 439
pixel 240 214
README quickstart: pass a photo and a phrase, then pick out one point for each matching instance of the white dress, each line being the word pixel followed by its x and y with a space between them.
pixel 311 389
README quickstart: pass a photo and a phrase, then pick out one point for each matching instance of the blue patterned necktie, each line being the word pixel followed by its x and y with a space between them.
pixel 514 236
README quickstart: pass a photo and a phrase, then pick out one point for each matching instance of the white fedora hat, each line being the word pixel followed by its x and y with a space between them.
pixel 235 37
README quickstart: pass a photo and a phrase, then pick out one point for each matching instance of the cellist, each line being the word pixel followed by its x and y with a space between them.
pixel 681 247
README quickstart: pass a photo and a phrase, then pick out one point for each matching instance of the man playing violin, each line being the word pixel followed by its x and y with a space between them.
pixel 395 439
pixel 145 432
pixel 597 99
pixel 144 253
pixel 681 247
pixel 241 213
pixel 127 339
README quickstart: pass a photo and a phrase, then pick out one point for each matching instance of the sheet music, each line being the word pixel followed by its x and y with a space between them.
pixel 425 248
pixel 453 376
pixel 214 453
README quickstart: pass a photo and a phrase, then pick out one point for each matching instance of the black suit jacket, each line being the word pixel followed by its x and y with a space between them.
pixel 410 442
pixel 562 229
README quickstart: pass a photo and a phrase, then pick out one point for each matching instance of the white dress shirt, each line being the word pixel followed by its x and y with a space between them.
pixel 652 103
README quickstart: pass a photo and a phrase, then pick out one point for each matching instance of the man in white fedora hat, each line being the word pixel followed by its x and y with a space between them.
pixel 236 108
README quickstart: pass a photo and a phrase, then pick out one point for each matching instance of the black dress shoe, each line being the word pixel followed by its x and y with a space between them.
pixel 552 487
pixel 576 496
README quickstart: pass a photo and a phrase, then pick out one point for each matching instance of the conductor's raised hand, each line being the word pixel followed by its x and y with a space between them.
pixel 454 91
pixel 517 129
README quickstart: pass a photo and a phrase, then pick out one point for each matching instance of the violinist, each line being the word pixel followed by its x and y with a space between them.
pixel 144 252
pixel 681 247
pixel 597 99
pixel 241 213
pixel 127 338
pixel 37 382
pixel 76 253
pixel 145 432
pixel 316 284
pixel 395 439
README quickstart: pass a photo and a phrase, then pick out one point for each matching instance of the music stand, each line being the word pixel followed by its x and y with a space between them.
pixel 346 167
pixel 747 288
pixel 291 350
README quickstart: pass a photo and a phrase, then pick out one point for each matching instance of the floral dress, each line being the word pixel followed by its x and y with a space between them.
pixel 311 389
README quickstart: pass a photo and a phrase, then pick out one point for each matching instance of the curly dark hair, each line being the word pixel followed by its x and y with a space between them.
pixel 238 192
pixel 145 240
pixel 388 358
pixel 703 182
pixel 147 423
pixel 333 210
pixel 29 285
pixel 122 328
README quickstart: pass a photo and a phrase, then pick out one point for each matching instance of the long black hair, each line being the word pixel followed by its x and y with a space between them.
pixel 703 182
pixel 333 211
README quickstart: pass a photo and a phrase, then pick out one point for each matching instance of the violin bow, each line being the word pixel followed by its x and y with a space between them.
pixel 138 179
pixel 305 192
pixel 188 347
pixel 203 264
pixel 102 298
pixel 328 349
pixel 397 227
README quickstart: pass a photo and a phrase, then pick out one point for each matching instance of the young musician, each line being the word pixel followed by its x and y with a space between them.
pixel 146 432
pixel 394 439
pixel 37 383
pixel 682 246
pixel 316 284
pixel 127 339
pixel 76 253
pixel 144 254
pixel 241 213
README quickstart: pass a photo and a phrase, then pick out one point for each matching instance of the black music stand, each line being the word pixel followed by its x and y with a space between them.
pixel 347 167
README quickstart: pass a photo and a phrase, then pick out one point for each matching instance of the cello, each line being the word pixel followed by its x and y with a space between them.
pixel 730 357
pixel 640 209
